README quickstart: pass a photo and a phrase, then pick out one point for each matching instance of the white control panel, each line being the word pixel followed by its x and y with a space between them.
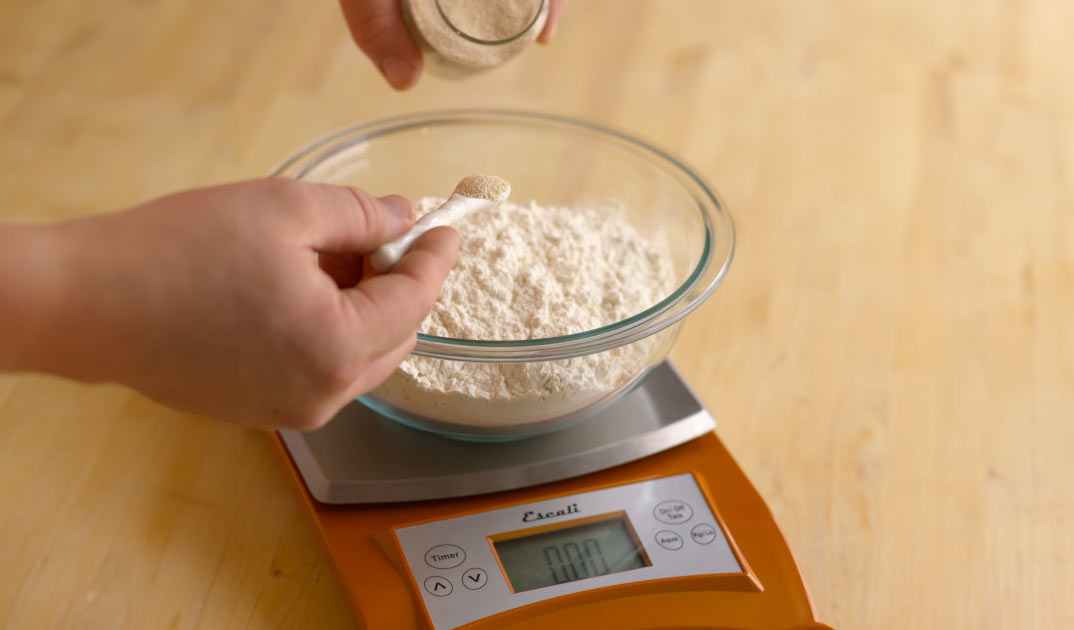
pixel 474 566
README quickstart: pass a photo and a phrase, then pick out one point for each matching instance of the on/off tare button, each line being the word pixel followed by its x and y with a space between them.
pixel 673 511
pixel 445 556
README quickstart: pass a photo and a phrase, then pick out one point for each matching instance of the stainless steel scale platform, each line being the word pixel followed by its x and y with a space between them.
pixel 363 457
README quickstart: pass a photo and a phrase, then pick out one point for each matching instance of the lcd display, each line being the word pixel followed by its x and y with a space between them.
pixel 574 550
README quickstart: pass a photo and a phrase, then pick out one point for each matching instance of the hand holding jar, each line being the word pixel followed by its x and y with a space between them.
pixel 459 36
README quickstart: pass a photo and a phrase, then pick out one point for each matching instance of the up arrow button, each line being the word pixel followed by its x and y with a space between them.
pixel 438 586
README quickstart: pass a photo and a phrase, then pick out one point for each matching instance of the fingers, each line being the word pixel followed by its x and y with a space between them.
pixel 555 9
pixel 344 219
pixel 375 373
pixel 377 27
pixel 393 305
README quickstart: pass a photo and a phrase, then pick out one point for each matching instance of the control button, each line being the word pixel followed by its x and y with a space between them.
pixel 444 556
pixel 673 511
pixel 669 540
pixel 474 578
pixel 703 533
pixel 438 586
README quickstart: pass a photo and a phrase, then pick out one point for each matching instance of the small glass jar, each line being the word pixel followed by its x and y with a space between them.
pixel 462 37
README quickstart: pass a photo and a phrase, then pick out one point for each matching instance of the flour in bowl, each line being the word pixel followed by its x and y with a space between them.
pixel 526 271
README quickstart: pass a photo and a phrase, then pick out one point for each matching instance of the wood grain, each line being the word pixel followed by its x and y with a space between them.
pixel 891 357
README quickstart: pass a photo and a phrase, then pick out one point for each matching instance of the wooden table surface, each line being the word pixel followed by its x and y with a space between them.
pixel 891 357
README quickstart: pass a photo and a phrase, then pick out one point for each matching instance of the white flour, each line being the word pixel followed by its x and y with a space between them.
pixel 530 272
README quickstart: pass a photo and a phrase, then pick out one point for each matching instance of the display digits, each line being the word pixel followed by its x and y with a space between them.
pixel 569 551
pixel 569 561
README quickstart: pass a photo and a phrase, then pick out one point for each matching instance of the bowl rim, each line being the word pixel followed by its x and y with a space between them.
pixel 687 297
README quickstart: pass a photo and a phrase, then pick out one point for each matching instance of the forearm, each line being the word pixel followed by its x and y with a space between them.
pixel 31 288
pixel 58 296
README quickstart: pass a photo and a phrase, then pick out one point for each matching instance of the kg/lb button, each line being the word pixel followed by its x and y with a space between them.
pixel 445 556
pixel 438 586
pixel 673 511
pixel 703 533
pixel 669 540
pixel 474 578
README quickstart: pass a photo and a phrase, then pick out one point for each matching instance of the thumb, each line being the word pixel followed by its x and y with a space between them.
pixel 391 306
pixel 378 28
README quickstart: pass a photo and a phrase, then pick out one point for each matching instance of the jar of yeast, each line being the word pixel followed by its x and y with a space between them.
pixel 465 36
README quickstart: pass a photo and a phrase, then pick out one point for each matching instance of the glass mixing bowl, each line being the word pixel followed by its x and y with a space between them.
pixel 554 161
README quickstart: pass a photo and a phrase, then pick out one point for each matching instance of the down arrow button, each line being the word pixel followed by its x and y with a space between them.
pixel 474 578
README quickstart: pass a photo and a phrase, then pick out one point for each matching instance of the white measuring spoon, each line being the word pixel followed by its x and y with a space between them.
pixel 473 193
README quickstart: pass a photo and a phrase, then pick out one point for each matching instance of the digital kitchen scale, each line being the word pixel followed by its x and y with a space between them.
pixel 636 518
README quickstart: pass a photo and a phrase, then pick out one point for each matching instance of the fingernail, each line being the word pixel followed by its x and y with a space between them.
pixel 398 71
pixel 399 206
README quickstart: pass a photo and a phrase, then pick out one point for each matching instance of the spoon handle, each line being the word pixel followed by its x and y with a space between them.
pixel 455 208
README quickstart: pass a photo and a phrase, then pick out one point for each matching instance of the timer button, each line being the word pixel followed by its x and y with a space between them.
pixel 474 578
pixel 673 511
pixel 445 556
pixel 436 585
pixel 669 540
pixel 703 533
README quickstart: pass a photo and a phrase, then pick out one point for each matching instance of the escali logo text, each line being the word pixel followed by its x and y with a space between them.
pixel 529 516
